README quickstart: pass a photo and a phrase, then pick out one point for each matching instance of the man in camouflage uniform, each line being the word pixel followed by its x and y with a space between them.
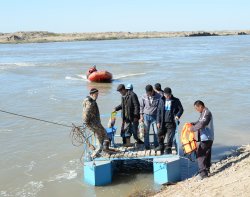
pixel 91 117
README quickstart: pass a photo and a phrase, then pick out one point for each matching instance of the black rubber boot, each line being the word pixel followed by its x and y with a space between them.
pixel 106 145
pixel 161 145
pixel 167 151
pixel 127 144
pixel 159 148
pixel 139 141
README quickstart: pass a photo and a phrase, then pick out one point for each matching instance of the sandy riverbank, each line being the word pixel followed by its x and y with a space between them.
pixel 43 36
pixel 229 177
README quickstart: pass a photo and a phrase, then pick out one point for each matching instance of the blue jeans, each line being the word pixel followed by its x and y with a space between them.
pixel 148 121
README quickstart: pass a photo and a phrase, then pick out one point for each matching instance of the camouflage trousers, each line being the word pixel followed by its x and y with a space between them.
pixel 99 132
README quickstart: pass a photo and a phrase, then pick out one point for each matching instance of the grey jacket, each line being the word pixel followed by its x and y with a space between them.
pixel 147 107
pixel 205 125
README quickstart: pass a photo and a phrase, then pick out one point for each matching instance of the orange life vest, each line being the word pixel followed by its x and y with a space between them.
pixel 188 141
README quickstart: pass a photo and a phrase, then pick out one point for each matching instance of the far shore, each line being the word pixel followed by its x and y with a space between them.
pixel 44 36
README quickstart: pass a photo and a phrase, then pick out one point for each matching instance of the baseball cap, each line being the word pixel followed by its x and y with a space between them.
pixel 120 87
pixel 129 87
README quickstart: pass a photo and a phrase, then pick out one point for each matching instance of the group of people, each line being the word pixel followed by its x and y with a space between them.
pixel 157 108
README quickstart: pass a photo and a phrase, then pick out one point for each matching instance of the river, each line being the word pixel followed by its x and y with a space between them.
pixel 47 81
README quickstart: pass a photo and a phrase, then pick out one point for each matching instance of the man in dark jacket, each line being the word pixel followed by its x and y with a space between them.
pixel 157 88
pixel 130 113
pixel 169 111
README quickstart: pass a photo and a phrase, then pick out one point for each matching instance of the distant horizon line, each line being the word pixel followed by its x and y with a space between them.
pixel 46 36
pixel 172 31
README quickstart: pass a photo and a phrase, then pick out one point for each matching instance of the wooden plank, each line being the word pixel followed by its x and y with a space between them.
pixel 133 155
pixel 141 153
pixel 122 148
pixel 118 155
pixel 125 154
pixel 112 156
pixel 105 155
pixel 147 152
pixel 122 154
pixel 130 155
pixel 153 152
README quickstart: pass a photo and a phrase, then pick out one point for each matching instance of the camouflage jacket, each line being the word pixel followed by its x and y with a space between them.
pixel 90 111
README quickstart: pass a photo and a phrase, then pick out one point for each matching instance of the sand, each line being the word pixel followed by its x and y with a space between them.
pixel 229 177
pixel 44 36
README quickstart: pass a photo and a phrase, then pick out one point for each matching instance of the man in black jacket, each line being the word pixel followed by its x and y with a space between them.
pixel 169 111
pixel 130 107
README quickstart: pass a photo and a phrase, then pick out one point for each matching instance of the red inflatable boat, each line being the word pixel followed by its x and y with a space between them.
pixel 98 76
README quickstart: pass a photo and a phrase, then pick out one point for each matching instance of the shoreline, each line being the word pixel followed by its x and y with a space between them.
pixel 45 37
pixel 229 177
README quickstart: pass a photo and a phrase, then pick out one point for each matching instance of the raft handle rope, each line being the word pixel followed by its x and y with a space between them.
pixel 78 134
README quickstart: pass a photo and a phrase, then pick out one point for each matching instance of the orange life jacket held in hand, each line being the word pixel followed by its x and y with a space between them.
pixel 188 140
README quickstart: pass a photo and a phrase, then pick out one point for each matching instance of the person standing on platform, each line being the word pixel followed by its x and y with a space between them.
pixel 91 117
pixel 205 128
pixel 148 112
pixel 169 111
pixel 157 88
pixel 130 113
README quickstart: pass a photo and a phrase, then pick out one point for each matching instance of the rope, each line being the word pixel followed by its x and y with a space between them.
pixel 38 119
pixel 78 134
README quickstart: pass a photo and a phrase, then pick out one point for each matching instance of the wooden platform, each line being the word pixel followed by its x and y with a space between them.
pixel 167 168
pixel 131 153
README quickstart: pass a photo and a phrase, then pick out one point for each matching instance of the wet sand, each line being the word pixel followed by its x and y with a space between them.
pixel 44 36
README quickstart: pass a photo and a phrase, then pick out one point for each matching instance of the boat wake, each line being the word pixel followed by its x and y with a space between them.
pixel 6 66
pixel 127 75
pixel 77 78
pixel 115 77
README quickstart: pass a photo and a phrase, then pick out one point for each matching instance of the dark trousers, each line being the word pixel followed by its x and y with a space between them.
pixel 204 157
pixel 168 131
pixel 130 128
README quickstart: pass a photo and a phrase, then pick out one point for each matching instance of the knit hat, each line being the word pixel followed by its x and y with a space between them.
pixel 93 91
